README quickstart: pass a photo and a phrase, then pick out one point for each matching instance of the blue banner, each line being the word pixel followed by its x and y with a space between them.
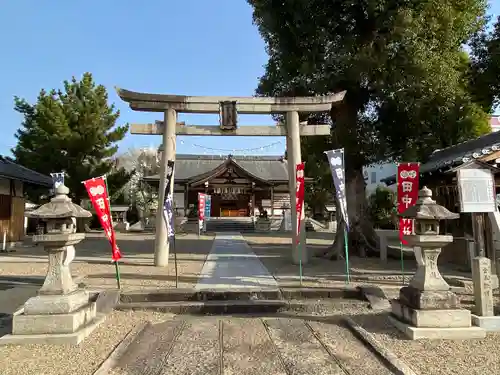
pixel 337 167
pixel 57 179
pixel 208 205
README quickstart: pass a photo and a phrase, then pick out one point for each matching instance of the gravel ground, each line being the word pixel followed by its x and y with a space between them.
pixel 136 267
pixel 437 357
pixel 83 359
pixel 274 250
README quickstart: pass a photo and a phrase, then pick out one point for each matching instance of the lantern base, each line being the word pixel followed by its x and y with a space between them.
pixel 447 318
pixel 417 333
pixel 418 324
pixel 428 299
pixel 24 324
pixel 56 304
pixel 73 338
pixel 58 328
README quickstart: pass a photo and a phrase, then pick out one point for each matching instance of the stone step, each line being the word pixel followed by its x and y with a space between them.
pixel 180 294
pixel 241 306
pixel 247 346
pixel 208 307
pixel 230 228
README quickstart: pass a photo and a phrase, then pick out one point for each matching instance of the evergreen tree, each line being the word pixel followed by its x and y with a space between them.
pixel 72 130
pixel 485 63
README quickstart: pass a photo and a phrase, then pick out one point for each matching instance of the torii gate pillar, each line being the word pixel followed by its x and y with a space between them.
pixel 162 250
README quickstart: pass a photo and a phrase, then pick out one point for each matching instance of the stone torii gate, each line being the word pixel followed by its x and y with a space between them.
pixel 228 109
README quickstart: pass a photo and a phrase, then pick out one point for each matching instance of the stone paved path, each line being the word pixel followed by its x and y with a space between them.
pixel 248 346
pixel 232 264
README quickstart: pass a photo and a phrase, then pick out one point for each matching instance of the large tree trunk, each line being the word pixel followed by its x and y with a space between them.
pixel 362 238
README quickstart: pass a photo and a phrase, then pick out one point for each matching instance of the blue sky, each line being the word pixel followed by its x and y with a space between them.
pixel 189 47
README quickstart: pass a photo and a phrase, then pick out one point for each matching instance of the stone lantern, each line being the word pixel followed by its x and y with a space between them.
pixel 61 313
pixel 427 308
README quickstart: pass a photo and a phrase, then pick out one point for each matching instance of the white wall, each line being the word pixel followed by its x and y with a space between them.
pixel 374 173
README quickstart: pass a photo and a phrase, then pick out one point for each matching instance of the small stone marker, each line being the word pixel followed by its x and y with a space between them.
pixel 483 290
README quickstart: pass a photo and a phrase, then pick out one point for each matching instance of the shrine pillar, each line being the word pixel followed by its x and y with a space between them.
pixel 299 250
pixel 168 148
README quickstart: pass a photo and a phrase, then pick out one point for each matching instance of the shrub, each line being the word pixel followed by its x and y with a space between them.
pixel 382 208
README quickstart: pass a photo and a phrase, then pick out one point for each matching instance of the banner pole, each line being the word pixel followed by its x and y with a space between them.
pixel 117 269
pixel 346 234
pixel 346 247
pixel 399 229
pixel 175 262
pixel 300 257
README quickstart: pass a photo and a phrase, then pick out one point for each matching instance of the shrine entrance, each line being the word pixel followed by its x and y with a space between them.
pixel 228 109
pixel 230 205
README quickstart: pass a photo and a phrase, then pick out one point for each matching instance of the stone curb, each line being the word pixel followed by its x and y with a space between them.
pixel 394 363
pixel 112 360
pixel 192 295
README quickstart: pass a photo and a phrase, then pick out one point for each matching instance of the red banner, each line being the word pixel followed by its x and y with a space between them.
pixel 98 194
pixel 201 206
pixel 408 178
pixel 299 195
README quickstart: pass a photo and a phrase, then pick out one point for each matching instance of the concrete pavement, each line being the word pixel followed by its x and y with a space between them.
pixel 248 346
pixel 232 264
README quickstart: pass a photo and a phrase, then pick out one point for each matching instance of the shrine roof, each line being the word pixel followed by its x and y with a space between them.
pixel 11 170
pixel 189 167
pixel 456 155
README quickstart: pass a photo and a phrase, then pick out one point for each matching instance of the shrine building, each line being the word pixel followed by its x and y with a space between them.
pixel 240 186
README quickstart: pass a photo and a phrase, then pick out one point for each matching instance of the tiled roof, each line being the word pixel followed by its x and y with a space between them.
pixel 269 168
pixel 456 155
pixel 13 171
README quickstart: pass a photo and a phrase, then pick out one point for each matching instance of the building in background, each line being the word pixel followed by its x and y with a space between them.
pixel 375 174
pixel 13 180
pixel 439 174
pixel 240 186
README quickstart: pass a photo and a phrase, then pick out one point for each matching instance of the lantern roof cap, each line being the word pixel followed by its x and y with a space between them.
pixel 427 209
pixel 59 207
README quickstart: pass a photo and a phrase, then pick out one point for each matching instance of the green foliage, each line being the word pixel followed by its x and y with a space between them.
pixel 117 181
pixel 401 63
pixel 485 72
pixel 71 130
pixel 382 208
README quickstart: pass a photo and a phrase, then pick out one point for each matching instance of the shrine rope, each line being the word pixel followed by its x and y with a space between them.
pixel 233 150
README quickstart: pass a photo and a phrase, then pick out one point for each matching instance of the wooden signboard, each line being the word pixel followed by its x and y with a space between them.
pixel 477 190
